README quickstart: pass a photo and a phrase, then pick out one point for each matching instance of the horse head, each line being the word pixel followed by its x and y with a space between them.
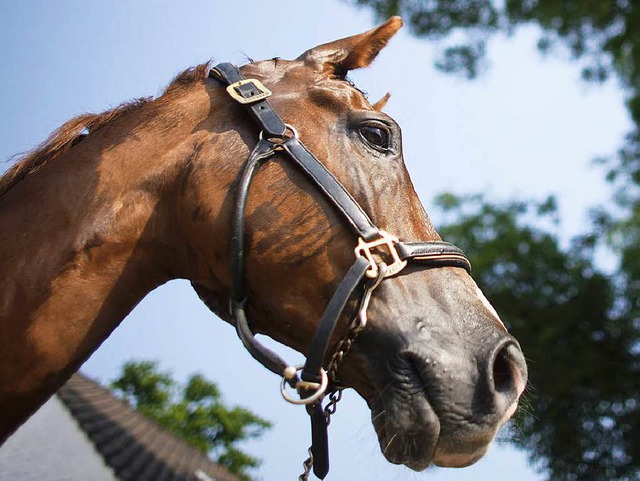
pixel 435 363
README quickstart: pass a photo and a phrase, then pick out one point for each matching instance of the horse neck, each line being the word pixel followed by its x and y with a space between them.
pixel 83 240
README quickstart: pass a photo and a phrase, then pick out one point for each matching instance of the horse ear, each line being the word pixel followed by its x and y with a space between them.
pixel 379 105
pixel 338 57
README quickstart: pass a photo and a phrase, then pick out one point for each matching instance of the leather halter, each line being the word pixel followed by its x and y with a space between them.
pixel 276 136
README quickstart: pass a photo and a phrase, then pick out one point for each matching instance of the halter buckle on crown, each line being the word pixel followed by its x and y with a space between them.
pixel 387 241
pixel 257 93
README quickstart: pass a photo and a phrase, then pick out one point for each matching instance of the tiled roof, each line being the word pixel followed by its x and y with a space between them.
pixel 136 448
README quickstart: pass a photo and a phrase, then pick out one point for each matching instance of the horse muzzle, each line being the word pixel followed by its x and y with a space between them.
pixel 438 394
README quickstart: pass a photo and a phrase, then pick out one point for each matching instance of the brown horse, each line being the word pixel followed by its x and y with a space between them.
pixel 113 205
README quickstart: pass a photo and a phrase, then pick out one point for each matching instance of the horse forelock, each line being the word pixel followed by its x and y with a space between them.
pixel 76 129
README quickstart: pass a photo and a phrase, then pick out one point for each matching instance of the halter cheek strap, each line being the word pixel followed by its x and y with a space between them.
pixel 363 276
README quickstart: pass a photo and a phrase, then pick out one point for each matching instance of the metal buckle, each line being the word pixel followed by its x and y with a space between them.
pixel 264 92
pixel 387 240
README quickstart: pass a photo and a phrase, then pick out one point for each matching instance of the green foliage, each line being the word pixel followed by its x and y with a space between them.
pixel 601 33
pixel 194 412
pixel 144 387
pixel 581 417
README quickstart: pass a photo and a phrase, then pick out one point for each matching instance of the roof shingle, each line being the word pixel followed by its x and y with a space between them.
pixel 135 447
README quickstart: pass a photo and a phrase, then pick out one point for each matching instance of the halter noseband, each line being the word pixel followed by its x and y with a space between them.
pixel 366 272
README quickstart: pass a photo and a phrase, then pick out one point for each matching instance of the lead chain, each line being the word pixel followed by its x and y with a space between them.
pixel 343 347
pixel 357 324
pixel 308 464
pixel 330 408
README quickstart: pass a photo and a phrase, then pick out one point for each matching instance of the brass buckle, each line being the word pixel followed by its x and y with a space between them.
pixel 264 92
pixel 386 240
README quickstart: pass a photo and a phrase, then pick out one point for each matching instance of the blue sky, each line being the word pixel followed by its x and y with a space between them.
pixel 528 128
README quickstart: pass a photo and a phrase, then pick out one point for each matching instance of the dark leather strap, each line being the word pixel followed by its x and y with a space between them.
pixel 318 349
pixel 272 361
pixel 333 189
pixel 262 151
pixel 268 119
pixel 258 351
pixel 319 440
pixel 433 254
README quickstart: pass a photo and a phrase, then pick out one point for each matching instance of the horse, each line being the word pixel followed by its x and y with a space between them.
pixel 113 205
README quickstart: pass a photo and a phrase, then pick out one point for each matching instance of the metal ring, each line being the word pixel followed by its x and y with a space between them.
pixel 322 388
pixel 283 138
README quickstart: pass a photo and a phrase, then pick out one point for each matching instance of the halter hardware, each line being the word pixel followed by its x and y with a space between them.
pixel 374 247
pixel 387 241
pixel 362 317
pixel 309 392
pixel 279 140
pixel 242 92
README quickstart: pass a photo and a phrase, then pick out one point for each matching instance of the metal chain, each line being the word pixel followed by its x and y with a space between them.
pixel 343 347
pixel 330 408
pixel 308 464
pixel 357 324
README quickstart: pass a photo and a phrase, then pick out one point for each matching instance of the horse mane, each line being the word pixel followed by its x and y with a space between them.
pixel 78 128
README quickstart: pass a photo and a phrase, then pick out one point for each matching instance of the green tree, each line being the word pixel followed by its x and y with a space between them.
pixel 581 416
pixel 193 412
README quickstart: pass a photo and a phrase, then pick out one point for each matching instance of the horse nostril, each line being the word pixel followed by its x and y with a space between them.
pixel 502 379
pixel 509 372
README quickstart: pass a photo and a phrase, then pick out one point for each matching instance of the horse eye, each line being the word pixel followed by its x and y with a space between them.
pixel 377 137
